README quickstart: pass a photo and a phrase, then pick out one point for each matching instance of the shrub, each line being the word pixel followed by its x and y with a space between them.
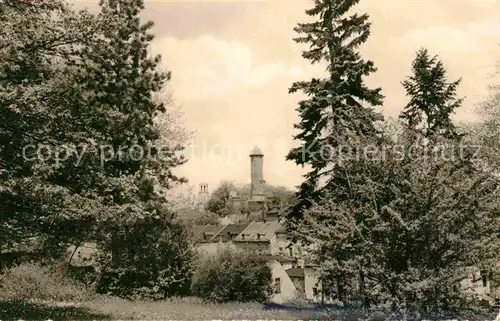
pixel 206 218
pixel 29 281
pixel 232 277
pixel 148 258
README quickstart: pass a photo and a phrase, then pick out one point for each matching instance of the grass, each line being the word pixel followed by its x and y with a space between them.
pixel 105 308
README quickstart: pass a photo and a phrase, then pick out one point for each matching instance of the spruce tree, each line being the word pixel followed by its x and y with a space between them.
pixel 432 98
pixel 338 112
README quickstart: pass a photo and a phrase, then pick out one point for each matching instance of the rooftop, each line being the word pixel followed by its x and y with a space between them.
pixel 256 151
pixel 259 231
pixel 208 233
pixel 230 231
pixel 282 259
pixel 295 272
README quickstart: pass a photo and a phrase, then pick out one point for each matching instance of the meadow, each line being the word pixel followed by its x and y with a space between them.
pixel 109 308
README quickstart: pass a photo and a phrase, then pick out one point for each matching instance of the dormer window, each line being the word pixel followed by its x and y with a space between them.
pixel 259 235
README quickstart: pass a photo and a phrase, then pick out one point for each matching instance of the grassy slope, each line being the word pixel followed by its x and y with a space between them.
pixel 113 308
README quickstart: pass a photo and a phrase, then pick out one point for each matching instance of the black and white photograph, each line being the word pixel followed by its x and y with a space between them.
pixel 250 160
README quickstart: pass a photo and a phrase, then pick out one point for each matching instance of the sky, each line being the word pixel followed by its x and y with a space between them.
pixel 232 63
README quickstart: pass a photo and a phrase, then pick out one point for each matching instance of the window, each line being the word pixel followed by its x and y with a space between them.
pixel 281 250
pixel 484 277
pixel 291 251
pixel 277 285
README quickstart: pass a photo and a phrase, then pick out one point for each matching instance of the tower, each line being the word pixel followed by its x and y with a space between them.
pixel 257 187
pixel 203 195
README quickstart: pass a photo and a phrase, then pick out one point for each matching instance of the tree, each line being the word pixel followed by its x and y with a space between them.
pixel 83 87
pixel 409 230
pixel 151 257
pixel 233 277
pixel 486 134
pixel 220 199
pixel 338 113
pixel 121 77
pixel 432 98
pixel 40 45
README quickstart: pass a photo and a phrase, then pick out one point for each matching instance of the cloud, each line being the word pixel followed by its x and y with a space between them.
pixel 444 38
pixel 211 66
pixel 472 37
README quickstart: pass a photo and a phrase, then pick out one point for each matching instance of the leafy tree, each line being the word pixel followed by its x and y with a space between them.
pixel 151 256
pixel 485 135
pixel 40 44
pixel 432 98
pixel 84 85
pixel 219 201
pixel 233 277
pixel 338 113
pixel 409 230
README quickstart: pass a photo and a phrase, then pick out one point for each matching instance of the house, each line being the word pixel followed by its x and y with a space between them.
pixel 265 241
pixel 482 285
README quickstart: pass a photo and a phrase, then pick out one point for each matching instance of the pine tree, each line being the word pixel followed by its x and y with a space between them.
pixel 432 98
pixel 338 112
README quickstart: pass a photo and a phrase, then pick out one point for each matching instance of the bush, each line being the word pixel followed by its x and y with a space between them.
pixel 206 218
pixel 150 258
pixel 232 277
pixel 30 281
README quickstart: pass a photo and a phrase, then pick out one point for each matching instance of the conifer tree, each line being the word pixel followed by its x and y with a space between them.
pixel 432 98
pixel 338 112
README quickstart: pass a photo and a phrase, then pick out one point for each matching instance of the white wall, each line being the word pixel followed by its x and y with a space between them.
pixel 311 277
pixel 288 291
pixel 212 249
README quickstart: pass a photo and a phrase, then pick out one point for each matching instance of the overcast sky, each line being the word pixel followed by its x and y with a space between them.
pixel 232 63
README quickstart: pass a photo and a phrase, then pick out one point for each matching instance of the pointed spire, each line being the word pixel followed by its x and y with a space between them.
pixel 256 151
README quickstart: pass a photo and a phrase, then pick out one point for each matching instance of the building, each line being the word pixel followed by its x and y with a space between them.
pixel 267 242
pixel 263 236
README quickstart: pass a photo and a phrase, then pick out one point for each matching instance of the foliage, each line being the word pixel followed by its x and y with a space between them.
pixel 219 201
pixel 338 113
pixel 486 133
pixel 432 98
pixel 408 228
pixel 206 218
pixel 30 281
pixel 144 255
pixel 40 43
pixel 232 277
pixel 85 87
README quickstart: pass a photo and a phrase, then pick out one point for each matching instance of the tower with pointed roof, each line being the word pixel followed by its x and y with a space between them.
pixel 257 187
